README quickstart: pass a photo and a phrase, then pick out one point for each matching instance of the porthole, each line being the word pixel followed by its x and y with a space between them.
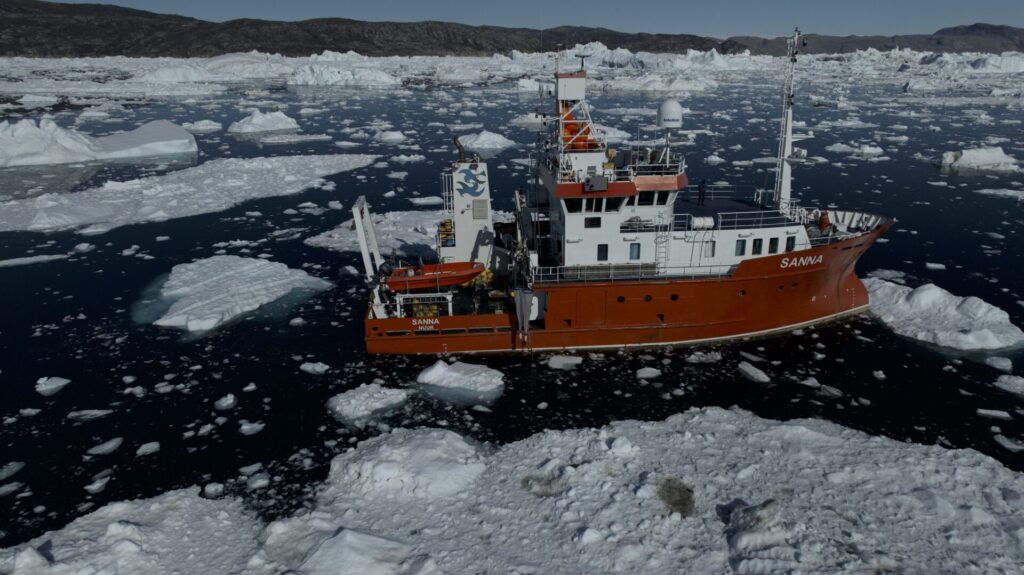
pixel 620 299
pixel 648 298
pixel 675 297
pixel 743 292
pixel 781 287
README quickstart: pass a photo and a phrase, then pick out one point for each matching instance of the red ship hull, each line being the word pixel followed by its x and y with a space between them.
pixel 763 295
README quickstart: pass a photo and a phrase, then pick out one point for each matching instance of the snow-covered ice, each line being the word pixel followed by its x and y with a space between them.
pixel 752 373
pixel 259 122
pixel 210 292
pixel 1011 383
pixel 933 315
pixel 26 143
pixel 706 491
pixel 358 406
pixel 411 233
pixel 462 383
pixel 209 187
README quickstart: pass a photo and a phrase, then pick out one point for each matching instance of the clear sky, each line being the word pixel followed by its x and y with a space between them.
pixel 718 18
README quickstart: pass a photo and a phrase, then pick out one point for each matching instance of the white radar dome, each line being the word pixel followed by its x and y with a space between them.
pixel 670 114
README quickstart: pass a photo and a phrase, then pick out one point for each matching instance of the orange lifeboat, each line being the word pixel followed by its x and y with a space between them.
pixel 433 276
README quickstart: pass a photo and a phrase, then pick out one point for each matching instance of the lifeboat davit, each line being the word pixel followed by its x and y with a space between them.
pixel 433 276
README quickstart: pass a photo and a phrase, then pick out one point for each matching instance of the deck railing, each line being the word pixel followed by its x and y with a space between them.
pixel 623 272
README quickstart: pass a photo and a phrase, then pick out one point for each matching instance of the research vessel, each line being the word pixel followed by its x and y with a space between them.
pixel 616 248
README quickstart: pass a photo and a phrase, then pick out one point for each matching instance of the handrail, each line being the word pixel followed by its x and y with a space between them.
pixel 623 272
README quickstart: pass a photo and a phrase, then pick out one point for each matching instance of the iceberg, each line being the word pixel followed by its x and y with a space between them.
pixel 209 187
pixel 330 75
pixel 259 122
pixel 26 143
pixel 935 316
pixel 992 159
pixel 202 126
pixel 487 141
pixel 213 291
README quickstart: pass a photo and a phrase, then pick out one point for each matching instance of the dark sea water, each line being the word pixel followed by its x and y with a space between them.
pixel 74 318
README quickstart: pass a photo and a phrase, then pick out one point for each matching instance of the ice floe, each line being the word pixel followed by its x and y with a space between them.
pixel 26 143
pixel 933 315
pixel 624 498
pixel 210 292
pixel 210 187
pixel 358 406
pixel 410 233
pixel 462 383
pixel 47 386
pixel 202 126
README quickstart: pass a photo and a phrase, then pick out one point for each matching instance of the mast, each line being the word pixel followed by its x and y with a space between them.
pixel 784 170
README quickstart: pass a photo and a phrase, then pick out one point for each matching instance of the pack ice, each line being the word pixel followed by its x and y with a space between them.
pixel 933 315
pixel 210 292
pixel 706 491
pixel 209 187
pixel 26 143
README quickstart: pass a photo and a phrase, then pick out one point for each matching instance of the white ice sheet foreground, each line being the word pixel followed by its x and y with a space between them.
pixel 215 290
pixel 933 315
pixel 768 497
pixel 27 143
pixel 209 187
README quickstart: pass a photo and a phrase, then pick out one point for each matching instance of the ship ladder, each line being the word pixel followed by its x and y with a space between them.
pixel 662 244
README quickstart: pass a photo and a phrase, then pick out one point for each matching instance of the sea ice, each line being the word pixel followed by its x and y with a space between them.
pixel 260 122
pixel 107 447
pixel 357 406
pixel 564 362
pixel 202 126
pixel 26 143
pixel 411 233
pixel 933 315
pixel 320 74
pixel 427 500
pixel 462 383
pixel 47 386
pixel 1003 193
pixel 147 448
pixel 752 373
pixel 210 292
pixel 210 187
pixel 1011 383
pixel 29 260
pixel 389 137
pixel 314 367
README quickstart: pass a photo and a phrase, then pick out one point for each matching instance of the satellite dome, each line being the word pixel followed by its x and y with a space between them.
pixel 670 114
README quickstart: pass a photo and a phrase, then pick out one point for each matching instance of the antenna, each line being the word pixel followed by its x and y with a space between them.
pixel 784 171
pixel 583 60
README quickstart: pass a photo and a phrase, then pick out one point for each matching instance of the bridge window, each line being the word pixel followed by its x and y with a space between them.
pixel 631 201
pixel 773 245
pixel 573 205
pixel 602 252
pixel 790 243
pixel 741 247
pixel 662 198
pixel 591 222
pixel 593 205
pixel 634 251
pixel 612 204
pixel 646 199
pixel 757 247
